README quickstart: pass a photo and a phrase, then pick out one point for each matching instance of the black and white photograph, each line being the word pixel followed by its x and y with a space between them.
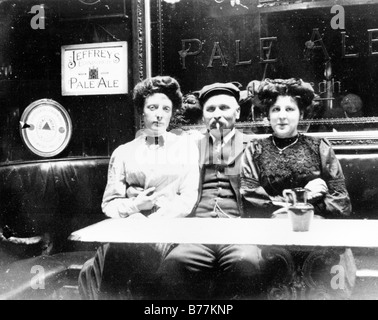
pixel 189 156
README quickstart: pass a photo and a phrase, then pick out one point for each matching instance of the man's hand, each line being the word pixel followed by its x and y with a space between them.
pixel 316 188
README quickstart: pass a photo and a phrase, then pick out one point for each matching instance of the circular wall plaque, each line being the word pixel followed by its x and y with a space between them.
pixel 46 128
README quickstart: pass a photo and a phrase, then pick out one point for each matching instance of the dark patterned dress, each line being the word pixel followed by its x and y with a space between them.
pixel 271 165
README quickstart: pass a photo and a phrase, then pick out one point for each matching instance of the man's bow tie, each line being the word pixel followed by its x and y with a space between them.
pixel 155 141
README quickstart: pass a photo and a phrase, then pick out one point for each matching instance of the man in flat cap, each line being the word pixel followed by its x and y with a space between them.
pixel 194 271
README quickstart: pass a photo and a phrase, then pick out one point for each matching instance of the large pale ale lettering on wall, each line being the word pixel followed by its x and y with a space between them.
pixel 194 47
pixel 94 69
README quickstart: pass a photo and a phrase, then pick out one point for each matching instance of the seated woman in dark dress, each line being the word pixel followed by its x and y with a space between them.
pixel 288 159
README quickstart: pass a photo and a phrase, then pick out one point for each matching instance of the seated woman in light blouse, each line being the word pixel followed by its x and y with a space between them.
pixel 154 176
pixel 161 165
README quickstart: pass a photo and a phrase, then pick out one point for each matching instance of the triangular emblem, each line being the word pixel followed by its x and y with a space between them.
pixel 46 127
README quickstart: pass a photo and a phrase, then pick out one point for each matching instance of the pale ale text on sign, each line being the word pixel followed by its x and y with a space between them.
pixel 94 69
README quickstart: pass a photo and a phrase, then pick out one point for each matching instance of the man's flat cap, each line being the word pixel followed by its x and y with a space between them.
pixel 230 88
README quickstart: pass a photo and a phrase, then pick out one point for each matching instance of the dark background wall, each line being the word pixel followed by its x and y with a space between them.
pixel 30 60
pixel 213 22
pixel 209 22
pixel 294 28
pixel 33 62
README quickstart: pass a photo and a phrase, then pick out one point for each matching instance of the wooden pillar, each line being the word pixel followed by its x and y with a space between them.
pixel 139 57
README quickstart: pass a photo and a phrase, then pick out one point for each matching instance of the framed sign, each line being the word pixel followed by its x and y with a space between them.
pixel 95 69
pixel 46 128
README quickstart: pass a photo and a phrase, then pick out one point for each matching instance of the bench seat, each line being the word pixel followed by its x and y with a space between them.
pixel 43 202
pixel 51 199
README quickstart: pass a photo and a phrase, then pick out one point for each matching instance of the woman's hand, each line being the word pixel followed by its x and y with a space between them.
pixel 133 192
pixel 280 213
pixel 316 188
pixel 146 199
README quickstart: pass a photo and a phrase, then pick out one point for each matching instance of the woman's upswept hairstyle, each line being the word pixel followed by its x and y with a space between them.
pixel 160 84
pixel 302 92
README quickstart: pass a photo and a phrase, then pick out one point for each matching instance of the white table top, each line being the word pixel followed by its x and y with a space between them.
pixel 323 233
